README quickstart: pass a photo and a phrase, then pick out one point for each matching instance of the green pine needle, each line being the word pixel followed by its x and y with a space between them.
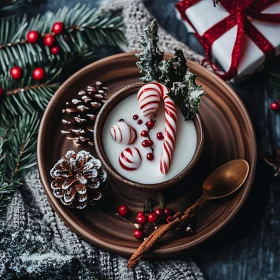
pixel 25 99
pixel 18 142
pixel 85 29
pixel 173 73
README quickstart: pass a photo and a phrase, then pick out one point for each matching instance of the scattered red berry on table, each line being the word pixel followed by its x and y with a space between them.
pixel 160 136
pixel 150 124
pixel 16 72
pixel 274 106
pixel 152 217
pixel 150 156
pixel 144 133
pixel 49 40
pixel 138 234
pixel 2 92
pixel 135 117
pixel 58 27
pixel 169 219
pixel 141 219
pixel 38 74
pixel 168 212
pixel 150 143
pixel 145 143
pixel 32 36
pixel 123 210
pixel 140 214
pixel 140 122
pixel 160 212
pixel 55 50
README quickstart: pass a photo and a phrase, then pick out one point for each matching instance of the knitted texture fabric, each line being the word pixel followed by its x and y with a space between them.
pixel 34 242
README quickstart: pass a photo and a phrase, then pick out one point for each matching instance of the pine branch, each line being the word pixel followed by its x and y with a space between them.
pixel 17 147
pixel 151 57
pixel 85 29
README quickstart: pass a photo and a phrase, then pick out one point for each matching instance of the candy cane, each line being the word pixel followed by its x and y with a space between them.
pixel 149 98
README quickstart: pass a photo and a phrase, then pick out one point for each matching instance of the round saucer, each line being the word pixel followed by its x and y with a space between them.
pixel 228 135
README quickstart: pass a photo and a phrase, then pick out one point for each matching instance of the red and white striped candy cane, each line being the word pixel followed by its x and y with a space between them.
pixel 149 98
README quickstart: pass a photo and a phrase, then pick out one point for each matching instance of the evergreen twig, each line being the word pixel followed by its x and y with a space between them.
pixel 25 99
pixel 18 141
pixel 85 28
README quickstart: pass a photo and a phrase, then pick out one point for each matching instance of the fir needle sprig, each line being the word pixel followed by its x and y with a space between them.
pixel 18 141
pixel 22 101
pixel 173 73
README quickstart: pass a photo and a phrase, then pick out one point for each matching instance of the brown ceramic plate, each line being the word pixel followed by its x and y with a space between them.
pixel 228 135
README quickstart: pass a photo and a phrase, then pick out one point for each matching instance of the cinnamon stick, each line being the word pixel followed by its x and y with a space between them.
pixel 179 219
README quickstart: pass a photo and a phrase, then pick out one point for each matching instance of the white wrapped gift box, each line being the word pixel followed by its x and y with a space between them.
pixel 203 15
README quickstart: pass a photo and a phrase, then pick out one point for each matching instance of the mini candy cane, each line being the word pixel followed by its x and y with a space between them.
pixel 149 98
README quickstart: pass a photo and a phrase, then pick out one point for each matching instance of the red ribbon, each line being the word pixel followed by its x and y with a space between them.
pixel 239 13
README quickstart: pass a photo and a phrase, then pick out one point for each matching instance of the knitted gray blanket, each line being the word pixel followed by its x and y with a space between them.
pixel 34 242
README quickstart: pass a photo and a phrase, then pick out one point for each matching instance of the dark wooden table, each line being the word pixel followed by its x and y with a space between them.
pixel 249 246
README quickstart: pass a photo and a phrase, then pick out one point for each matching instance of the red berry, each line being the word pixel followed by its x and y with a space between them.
pixel 123 210
pixel 145 143
pixel 274 106
pixel 150 124
pixel 142 219
pixel 150 143
pixel 55 50
pixel 32 36
pixel 135 117
pixel 160 212
pixel 2 92
pixel 49 40
pixel 140 122
pixel 58 27
pixel 168 212
pixel 16 72
pixel 169 219
pixel 140 214
pixel 38 74
pixel 150 156
pixel 144 133
pixel 159 136
pixel 138 234
pixel 152 217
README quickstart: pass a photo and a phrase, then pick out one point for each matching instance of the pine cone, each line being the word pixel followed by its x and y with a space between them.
pixel 79 179
pixel 80 114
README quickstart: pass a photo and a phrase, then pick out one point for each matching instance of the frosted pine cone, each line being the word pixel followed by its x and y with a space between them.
pixel 80 113
pixel 79 179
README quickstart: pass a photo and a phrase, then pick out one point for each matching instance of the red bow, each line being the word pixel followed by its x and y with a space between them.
pixel 239 12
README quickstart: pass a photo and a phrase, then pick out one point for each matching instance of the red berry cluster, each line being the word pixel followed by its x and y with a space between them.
pixel 148 143
pixel 135 117
pixel 33 37
pixel 274 106
pixel 16 73
pixel 158 216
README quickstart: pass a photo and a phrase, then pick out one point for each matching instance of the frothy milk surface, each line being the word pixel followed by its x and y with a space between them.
pixel 149 171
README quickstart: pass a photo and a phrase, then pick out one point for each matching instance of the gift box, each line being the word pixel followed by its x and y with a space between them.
pixel 239 34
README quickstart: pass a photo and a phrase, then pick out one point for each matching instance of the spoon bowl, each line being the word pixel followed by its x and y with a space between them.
pixel 226 179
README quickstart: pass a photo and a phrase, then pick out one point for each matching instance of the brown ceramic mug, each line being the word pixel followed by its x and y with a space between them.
pixel 98 132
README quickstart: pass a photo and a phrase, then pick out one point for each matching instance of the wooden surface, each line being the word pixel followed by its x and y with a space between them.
pixel 249 247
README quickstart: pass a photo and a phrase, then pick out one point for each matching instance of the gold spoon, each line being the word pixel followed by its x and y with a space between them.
pixel 223 182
